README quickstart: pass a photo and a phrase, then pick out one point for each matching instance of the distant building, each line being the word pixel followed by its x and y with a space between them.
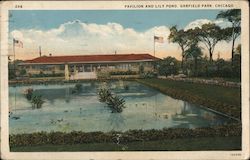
pixel 87 66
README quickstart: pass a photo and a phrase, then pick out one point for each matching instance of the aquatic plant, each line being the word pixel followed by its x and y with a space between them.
pixel 77 88
pixel 29 93
pixel 104 94
pixel 37 101
pixel 116 104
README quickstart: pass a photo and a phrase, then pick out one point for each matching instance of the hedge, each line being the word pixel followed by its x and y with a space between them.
pixel 79 137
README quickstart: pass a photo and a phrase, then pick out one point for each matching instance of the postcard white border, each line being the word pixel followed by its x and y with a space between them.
pixel 117 5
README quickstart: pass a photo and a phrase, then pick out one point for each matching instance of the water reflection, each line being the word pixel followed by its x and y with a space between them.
pixel 146 108
pixel 116 121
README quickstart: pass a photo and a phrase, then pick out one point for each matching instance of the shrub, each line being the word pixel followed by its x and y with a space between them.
pixel 103 75
pixel 149 75
pixel 78 137
pixel 41 75
pixel 22 72
pixel 129 72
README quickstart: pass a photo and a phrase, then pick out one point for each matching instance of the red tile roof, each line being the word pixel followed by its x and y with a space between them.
pixel 91 58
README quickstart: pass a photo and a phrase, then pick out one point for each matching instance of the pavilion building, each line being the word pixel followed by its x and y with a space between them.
pixel 87 66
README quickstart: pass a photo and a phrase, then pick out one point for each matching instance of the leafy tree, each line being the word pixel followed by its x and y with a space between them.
pixel 234 17
pixel 238 49
pixel 194 52
pixel 210 34
pixel 22 72
pixel 237 65
pixel 180 37
pixel 166 69
pixel 13 68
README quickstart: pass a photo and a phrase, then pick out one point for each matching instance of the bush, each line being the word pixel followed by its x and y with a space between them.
pixel 149 75
pixel 78 137
pixel 41 75
pixel 22 72
pixel 103 75
pixel 129 72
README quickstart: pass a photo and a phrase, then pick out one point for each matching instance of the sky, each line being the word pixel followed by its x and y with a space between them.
pixel 79 32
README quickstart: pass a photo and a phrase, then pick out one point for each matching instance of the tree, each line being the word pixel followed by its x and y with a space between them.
pixel 210 34
pixel 234 17
pixel 238 49
pixel 194 52
pixel 22 72
pixel 181 38
pixel 165 67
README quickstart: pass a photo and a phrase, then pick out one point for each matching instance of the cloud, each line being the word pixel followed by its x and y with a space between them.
pixel 76 37
pixel 199 22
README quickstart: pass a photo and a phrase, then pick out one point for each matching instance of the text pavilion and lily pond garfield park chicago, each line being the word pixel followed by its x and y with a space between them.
pixel 124 80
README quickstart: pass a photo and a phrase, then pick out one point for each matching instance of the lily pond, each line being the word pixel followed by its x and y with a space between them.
pixel 65 111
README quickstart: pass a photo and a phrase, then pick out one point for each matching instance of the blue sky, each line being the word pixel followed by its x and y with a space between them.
pixel 140 20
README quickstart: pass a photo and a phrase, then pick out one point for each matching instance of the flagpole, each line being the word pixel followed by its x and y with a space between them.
pixel 14 57
pixel 154 45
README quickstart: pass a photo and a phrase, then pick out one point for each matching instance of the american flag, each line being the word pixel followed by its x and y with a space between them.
pixel 17 43
pixel 158 39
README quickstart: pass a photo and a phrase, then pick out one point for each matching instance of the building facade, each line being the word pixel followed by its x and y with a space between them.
pixel 88 66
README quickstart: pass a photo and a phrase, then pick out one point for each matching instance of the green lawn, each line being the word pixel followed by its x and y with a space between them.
pixel 193 144
pixel 223 99
pixel 218 93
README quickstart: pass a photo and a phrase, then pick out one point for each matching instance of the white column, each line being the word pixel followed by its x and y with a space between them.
pixel 66 72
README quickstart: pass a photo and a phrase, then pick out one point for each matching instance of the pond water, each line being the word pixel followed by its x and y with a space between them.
pixel 146 108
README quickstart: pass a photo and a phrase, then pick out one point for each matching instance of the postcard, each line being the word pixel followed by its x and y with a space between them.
pixel 124 80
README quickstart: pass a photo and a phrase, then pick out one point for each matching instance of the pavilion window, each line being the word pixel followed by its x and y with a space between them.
pixel 61 67
pixel 87 68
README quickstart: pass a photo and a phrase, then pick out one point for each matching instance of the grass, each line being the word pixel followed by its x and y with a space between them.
pixel 191 144
pixel 223 99
pixel 218 93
